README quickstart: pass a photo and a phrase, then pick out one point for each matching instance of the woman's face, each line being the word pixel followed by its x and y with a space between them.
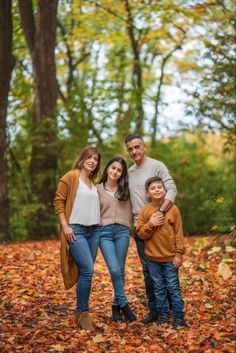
pixel 91 163
pixel 114 171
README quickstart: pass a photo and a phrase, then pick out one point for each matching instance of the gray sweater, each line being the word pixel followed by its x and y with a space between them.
pixel 137 178
pixel 112 210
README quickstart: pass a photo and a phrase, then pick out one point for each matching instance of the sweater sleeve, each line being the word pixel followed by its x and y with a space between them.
pixel 59 201
pixel 171 190
pixel 179 238
pixel 145 229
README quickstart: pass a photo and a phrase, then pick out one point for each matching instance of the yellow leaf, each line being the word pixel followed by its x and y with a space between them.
pixel 214 249
pixel 98 338
pixel 224 270
pixel 57 348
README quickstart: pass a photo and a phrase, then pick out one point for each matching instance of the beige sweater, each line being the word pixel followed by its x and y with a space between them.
pixel 113 210
pixel 164 243
pixel 137 178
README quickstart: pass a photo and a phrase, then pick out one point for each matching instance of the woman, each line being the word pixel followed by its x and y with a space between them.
pixel 115 222
pixel 77 207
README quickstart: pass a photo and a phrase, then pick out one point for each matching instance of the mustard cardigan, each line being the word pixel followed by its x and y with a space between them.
pixel 63 202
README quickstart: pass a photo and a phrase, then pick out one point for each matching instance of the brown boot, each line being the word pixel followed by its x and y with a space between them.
pixel 77 315
pixel 84 321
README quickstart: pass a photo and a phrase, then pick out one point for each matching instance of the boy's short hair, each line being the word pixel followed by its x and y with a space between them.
pixel 132 137
pixel 151 180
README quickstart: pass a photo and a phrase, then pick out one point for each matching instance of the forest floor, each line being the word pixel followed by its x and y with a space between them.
pixel 37 313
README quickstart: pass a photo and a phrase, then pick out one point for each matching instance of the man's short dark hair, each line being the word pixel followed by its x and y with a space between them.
pixel 132 137
pixel 151 180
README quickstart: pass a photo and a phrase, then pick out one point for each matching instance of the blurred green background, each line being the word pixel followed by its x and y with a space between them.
pixel 76 73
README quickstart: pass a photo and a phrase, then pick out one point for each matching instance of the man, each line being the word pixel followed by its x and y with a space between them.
pixel 144 168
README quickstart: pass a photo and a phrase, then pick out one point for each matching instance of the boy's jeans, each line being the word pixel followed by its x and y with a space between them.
pixel 114 243
pixel 166 277
pixel 84 252
pixel 147 276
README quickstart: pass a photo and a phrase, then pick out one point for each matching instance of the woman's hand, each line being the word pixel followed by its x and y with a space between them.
pixel 69 234
pixel 157 219
pixel 177 262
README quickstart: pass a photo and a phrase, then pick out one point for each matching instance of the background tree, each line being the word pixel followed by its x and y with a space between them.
pixel 39 25
pixel 6 68
pixel 212 99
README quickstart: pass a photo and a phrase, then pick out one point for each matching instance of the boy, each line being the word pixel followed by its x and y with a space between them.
pixel 164 248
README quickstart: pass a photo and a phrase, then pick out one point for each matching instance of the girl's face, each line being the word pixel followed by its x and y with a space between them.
pixel 91 163
pixel 114 171
pixel 156 191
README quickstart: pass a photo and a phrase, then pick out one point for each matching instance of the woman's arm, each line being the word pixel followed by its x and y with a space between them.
pixel 69 234
pixel 59 203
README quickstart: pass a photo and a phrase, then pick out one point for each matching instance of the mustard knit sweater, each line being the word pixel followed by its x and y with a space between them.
pixel 163 243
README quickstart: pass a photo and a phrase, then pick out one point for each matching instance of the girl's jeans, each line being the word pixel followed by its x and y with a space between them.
pixel 114 243
pixel 165 277
pixel 84 251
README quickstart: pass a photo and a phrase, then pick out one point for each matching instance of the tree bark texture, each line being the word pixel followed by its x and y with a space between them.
pixel 6 67
pixel 137 70
pixel 40 34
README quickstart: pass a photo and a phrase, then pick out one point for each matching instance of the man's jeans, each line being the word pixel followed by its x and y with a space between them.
pixel 114 243
pixel 147 277
pixel 165 277
pixel 84 251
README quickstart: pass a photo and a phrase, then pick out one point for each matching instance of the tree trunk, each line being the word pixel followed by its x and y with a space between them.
pixel 6 67
pixel 40 33
pixel 137 72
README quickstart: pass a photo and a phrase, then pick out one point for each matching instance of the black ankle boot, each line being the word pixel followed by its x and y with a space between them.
pixel 151 317
pixel 128 315
pixel 116 314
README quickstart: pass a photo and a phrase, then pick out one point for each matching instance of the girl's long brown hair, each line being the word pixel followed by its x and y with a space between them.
pixel 85 154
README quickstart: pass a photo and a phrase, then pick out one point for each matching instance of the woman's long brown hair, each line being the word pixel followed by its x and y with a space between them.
pixel 85 154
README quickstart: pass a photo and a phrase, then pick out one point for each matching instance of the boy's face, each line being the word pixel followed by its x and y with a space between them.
pixel 156 191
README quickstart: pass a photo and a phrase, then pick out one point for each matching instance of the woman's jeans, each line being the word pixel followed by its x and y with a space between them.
pixel 84 251
pixel 114 243
pixel 165 277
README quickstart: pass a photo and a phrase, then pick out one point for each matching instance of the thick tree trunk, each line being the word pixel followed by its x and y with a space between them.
pixel 40 33
pixel 6 67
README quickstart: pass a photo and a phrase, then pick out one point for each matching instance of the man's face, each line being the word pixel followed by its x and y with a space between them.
pixel 136 150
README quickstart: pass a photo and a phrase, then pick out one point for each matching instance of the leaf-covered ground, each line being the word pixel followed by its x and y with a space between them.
pixel 37 314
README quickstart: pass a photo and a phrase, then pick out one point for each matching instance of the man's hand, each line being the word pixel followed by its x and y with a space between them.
pixel 69 234
pixel 177 263
pixel 157 219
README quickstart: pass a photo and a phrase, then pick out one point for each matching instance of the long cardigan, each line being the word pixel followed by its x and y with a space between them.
pixel 63 202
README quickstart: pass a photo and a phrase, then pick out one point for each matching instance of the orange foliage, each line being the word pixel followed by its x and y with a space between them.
pixel 36 313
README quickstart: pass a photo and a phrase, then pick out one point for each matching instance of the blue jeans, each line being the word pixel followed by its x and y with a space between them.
pixel 114 243
pixel 147 276
pixel 165 277
pixel 84 251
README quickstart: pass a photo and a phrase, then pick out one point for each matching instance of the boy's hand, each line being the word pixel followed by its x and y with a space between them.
pixel 157 219
pixel 177 262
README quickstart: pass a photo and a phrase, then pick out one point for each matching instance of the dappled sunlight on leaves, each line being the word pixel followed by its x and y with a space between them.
pixel 37 313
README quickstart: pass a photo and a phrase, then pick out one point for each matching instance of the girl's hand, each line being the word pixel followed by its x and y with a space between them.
pixel 157 219
pixel 69 234
pixel 177 263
